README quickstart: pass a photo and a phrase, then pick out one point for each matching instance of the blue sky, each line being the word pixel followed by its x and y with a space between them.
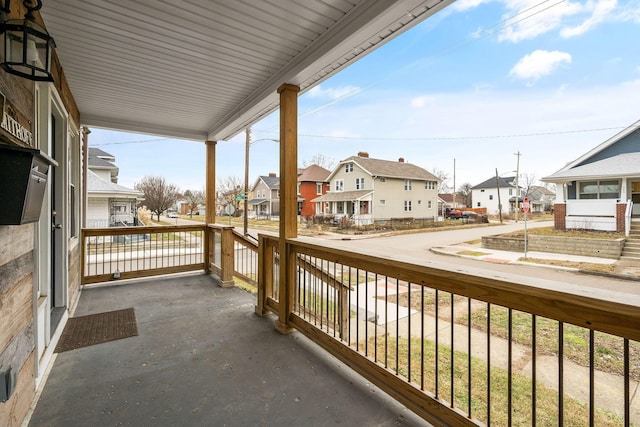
pixel 477 82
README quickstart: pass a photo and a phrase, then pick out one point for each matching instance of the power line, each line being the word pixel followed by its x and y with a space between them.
pixel 449 138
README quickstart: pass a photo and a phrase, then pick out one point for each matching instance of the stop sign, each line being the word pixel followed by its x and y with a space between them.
pixel 525 204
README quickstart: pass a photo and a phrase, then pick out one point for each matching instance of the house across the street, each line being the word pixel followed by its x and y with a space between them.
pixel 363 190
pixel 497 194
pixel 313 181
pixel 108 204
pixel 600 190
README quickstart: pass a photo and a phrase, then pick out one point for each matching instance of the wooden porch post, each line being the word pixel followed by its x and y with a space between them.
pixel 288 200
pixel 210 201
pixel 211 182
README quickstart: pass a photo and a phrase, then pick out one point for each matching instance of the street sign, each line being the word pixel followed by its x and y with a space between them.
pixel 525 204
pixel 240 197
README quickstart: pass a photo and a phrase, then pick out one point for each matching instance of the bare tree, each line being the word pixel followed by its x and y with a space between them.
pixel 194 199
pixel 464 190
pixel 526 181
pixel 443 186
pixel 158 194
pixel 227 189
pixel 320 160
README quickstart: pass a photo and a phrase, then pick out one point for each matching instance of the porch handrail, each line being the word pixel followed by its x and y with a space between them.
pixel 627 217
pixel 591 310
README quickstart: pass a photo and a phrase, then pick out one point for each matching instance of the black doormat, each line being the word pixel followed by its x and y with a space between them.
pixel 93 329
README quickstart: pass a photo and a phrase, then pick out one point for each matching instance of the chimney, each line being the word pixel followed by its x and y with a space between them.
pixel 401 160
pixel 363 154
pixel 272 175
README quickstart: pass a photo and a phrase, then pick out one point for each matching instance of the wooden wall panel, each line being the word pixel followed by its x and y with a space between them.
pixel 17 311
pixel 15 409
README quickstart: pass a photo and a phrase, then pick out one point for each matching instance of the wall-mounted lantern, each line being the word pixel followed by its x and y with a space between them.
pixel 27 45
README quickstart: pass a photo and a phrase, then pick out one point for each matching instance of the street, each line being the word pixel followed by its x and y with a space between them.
pixel 417 247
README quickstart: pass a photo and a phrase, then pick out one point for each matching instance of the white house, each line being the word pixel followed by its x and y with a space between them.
pixel 108 204
pixel 495 192
pixel 363 190
pixel 600 190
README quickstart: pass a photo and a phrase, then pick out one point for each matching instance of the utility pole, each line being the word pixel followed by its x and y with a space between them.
pixel 246 181
pixel 517 186
pixel 454 183
pixel 499 204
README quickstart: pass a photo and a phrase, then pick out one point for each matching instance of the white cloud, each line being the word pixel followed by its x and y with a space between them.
pixel 528 19
pixel 463 5
pixel 319 92
pixel 422 101
pixel 539 64
pixel 599 12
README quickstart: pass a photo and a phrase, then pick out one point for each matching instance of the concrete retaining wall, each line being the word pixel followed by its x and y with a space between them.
pixel 603 248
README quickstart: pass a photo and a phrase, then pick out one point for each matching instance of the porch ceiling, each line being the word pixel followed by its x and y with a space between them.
pixel 205 70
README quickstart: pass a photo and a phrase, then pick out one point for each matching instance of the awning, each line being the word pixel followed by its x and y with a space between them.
pixel 254 202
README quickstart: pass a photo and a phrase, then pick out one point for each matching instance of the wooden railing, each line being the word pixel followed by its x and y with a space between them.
pixel 245 265
pixel 461 349
pixel 133 252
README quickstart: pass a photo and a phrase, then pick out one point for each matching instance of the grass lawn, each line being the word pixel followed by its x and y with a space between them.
pixel 550 231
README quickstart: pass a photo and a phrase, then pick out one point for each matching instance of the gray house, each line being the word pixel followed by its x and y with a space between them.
pixel 108 204
pixel 601 189
pixel 266 196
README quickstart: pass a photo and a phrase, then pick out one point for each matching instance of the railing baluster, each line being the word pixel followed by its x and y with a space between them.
pixel 422 340
pixel 469 396
pixel 627 380
pixel 560 373
pixel 534 371
pixel 397 327
pixel 409 331
pixel 510 368
pixel 451 363
pixel 437 345
pixel 489 364
pixel 591 378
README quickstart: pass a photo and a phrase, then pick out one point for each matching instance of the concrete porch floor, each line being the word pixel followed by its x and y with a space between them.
pixel 203 358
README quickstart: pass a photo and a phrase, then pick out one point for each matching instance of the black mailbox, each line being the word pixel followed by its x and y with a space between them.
pixel 23 181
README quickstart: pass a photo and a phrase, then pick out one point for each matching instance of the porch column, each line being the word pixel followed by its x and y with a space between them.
pixel 288 200
pixel 210 195
pixel 210 203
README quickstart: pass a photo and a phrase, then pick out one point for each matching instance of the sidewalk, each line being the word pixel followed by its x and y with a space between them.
pixel 475 251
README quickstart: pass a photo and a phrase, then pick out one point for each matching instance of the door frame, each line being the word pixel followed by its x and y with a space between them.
pixel 48 103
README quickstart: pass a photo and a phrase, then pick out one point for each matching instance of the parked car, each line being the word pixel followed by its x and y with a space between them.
pixel 172 214
pixel 454 214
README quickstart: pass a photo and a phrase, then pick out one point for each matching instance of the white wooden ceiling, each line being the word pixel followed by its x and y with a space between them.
pixel 206 69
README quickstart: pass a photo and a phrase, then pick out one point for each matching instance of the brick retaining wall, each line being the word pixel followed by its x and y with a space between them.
pixel 603 248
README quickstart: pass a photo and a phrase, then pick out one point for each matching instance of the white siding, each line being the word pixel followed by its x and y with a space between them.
pixel 97 213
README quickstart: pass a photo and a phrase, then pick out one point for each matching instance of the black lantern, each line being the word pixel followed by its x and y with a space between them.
pixel 27 45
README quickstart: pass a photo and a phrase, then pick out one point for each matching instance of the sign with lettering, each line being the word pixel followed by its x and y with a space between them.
pixel 14 126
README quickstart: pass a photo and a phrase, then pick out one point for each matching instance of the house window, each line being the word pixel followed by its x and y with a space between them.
pixel 482 191
pixel 339 185
pixel 407 185
pixel 383 202
pixel 429 204
pixel 430 185
pixel 383 179
pixel 359 183
pixel 511 191
pixel 600 189
pixel 319 188
pixel 490 196
pixel 348 167
pixel 478 204
pixel 419 202
pixel 278 194
pixel 340 207
pixel 407 206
